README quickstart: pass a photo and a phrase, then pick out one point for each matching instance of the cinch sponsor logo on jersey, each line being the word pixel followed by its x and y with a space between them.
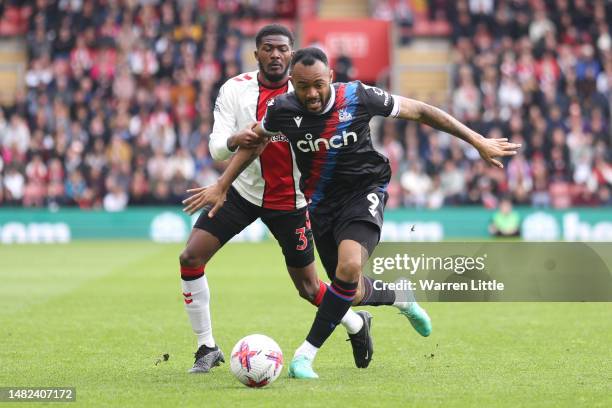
pixel 335 142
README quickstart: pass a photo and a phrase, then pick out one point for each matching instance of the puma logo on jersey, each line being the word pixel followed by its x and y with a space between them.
pixel 335 142
pixel 298 120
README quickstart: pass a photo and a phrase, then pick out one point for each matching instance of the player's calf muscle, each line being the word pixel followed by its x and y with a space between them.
pixel 307 289
pixel 307 293
pixel 305 280
pixel 359 294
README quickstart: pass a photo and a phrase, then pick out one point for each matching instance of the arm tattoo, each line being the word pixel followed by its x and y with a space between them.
pixel 437 118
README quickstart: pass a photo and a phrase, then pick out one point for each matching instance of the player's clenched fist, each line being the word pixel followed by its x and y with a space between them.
pixel 212 195
pixel 245 138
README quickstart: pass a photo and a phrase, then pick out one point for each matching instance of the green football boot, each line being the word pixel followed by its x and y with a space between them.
pixel 418 317
pixel 301 368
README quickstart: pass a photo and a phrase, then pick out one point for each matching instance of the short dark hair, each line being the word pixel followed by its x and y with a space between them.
pixel 308 56
pixel 273 29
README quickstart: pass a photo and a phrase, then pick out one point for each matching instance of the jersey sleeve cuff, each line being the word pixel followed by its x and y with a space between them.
pixel 396 106
pixel 263 126
pixel 219 150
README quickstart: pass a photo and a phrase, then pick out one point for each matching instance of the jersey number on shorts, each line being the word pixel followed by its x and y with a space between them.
pixel 374 200
pixel 303 240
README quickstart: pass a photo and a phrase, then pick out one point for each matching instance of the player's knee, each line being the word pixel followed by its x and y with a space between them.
pixel 308 283
pixel 348 270
pixel 189 259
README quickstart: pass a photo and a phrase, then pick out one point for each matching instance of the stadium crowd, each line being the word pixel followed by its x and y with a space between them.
pixel 538 72
pixel 118 105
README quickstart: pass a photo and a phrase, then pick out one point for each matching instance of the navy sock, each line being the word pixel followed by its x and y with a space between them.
pixel 336 302
pixel 375 297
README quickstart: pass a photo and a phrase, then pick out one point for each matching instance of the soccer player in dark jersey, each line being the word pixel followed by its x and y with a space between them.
pixel 267 189
pixel 343 177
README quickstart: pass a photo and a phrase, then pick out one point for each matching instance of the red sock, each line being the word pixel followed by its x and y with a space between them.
pixel 319 297
pixel 189 273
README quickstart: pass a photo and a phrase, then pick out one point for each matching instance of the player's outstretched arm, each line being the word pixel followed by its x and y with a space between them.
pixel 489 149
pixel 214 195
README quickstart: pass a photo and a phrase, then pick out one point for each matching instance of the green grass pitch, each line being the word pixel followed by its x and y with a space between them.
pixel 97 316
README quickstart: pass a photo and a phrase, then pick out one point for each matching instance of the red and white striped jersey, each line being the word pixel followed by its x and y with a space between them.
pixel 272 180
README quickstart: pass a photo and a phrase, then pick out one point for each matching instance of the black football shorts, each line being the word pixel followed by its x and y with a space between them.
pixel 290 228
pixel 359 218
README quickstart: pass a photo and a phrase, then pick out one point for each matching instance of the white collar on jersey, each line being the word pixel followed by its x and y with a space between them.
pixel 330 103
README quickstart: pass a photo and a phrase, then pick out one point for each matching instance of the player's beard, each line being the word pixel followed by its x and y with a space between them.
pixel 273 77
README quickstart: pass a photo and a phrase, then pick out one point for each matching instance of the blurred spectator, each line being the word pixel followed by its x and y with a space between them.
pixel 343 69
pixel 506 222
pixel 399 11
pixel 140 190
pixel 540 25
pixel 416 185
pixel 16 138
pixel 383 10
pixel 75 188
pixel 14 185
pixel 520 181
pixel 116 199
pixel 452 183
pixel 466 97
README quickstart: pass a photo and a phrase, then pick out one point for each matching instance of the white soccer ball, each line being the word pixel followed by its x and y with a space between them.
pixel 256 360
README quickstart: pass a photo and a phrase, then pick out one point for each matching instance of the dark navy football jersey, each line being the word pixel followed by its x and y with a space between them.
pixel 333 149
